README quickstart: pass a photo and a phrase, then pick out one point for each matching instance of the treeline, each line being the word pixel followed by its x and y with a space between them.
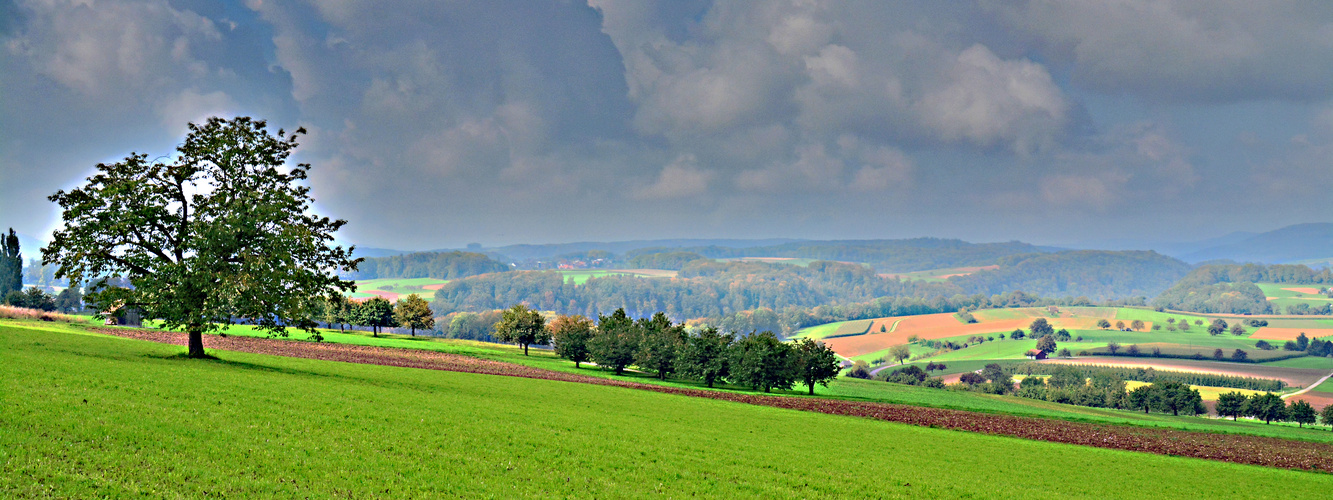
pixel 1270 407
pixel 704 289
pixel 1151 375
pixel 906 255
pixel 740 296
pixel 665 349
pixel 1258 273
pixel 663 260
pixel 1099 275
pixel 1068 386
pixel 438 265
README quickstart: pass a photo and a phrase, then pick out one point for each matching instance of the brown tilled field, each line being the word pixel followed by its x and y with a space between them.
pixel 1296 377
pixel 930 326
pixel 1269 333
pixel 1252 450
pixel 1306 290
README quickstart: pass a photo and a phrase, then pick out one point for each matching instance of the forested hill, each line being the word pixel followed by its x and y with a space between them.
pixel 1097 275
pixel 1231 289
pixel 885 256
pixel 439 265
pixel 708 288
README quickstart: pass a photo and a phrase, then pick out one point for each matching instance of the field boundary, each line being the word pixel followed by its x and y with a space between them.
pixel 1235 448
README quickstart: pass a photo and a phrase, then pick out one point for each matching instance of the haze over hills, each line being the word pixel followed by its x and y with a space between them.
pixel 1290 244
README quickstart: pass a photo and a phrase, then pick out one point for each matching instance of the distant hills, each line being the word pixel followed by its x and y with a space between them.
pixel 1298 243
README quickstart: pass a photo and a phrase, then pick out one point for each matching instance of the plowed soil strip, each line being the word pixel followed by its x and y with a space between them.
pixel 1252 450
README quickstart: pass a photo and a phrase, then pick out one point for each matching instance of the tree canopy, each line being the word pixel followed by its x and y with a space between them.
pixel 224 231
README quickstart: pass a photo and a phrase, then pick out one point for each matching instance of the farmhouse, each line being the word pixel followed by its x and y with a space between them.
pixel 1036 354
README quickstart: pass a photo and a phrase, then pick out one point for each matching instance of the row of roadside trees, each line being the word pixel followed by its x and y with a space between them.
pixel 1270 407
pixel 656 345
pixel 411 312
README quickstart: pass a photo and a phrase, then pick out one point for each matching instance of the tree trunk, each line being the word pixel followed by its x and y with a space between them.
pixel 811 384
pixel 196 348
pixel 414 331
pixel 576 365
pixel 525 349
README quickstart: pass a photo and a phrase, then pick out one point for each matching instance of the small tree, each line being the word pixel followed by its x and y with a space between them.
pixel 1231 404
pixel 1218 355
pixel 1239 355
pixel 1217 327
pixel 1326 415
pixel 900 352
pixel 1237 330
pixel 1302 342
pixel 1136 324
pixel 339 311
pixel 1103 324
pixel 413 312
pixel 1132 350
pixel 1264 345
pixel 571 335
pixel 1184 326
pixel 817 363
pixel 1064 353
pixel 1177 397
pixel 1017 334
pixel 706 356
pixel 522 326
pixel 1120 325
pixel 1046 344
pixel 1301 412
pixel 1112 347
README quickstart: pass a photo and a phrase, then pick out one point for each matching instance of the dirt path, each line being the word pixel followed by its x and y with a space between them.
pixel 1308 387
pixel 1253 450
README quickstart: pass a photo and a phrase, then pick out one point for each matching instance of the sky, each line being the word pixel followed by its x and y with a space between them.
pixel 433 124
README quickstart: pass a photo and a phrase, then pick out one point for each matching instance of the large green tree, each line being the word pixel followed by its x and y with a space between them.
pixel 1301 412
pixel 223 231
pixel 615 342
pixel 1040 327
pixel 705 355
pixel 660 344
pixel 522 326
pixel 762 361
pixel 1231 404
pixel 571 335
pixel 816 363
pixel 1267 407
pixel 413 312
pixel 375 313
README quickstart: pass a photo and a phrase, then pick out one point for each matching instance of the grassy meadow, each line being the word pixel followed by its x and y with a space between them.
pixel 92 416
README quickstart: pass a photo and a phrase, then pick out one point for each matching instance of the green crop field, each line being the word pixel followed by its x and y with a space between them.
pixel 89 416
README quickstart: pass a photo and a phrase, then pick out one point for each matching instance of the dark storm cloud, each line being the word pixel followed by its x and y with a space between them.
pixel 437 123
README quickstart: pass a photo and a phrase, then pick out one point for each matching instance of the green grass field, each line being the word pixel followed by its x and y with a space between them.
pixel 1286 298
pixel 400 286
pixel 89 416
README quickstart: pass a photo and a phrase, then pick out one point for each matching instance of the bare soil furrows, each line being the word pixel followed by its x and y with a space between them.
pixel 1253 450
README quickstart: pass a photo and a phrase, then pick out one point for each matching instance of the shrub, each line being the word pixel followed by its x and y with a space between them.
pixel 859 370
pixel 1264 345
pixel 971 378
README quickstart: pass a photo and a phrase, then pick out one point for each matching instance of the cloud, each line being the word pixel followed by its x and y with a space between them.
pixel 681 178
pixel 989 101
pixel 1186 51
pixel 191 106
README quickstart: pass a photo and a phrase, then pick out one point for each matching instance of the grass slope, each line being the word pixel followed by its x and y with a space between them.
pixel 87 416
